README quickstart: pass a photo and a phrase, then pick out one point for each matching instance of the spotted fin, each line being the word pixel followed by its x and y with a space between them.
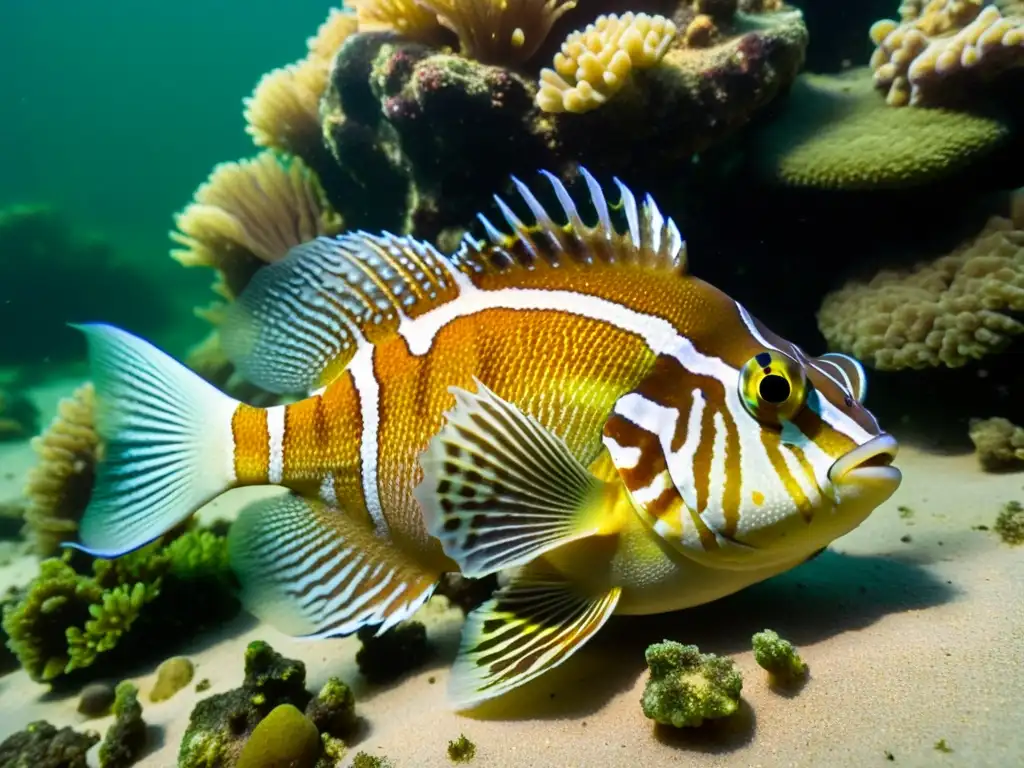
pixel 644 237
pixel 499 489
pixel 530 626
pixel 312 570
pixel 299 321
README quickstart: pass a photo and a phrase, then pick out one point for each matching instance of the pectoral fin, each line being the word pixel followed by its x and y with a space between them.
pixel 530 626
pixel 499 489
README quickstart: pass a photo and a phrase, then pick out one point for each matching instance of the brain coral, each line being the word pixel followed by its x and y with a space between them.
pixel 949 312
pixel 835 133
pixel 939 46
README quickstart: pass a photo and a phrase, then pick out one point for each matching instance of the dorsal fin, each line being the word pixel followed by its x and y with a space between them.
pixel 300 320
pixel 649 239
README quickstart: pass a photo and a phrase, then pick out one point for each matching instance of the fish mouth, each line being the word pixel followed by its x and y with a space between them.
pixel 871 461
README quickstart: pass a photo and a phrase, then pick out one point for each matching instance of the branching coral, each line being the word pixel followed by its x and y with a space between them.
pixel 506 32
pixel 999 443
pixel 59 485
pixel 251 213
pixel 834 132
pixel 596 62
pixel 940 44
pixel 953 310
pixel 67 620
pixel 283 111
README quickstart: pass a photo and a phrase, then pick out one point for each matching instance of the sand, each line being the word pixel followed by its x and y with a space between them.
pixel 912 625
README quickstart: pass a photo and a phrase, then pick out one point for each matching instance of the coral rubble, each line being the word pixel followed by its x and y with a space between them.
pixel 957 308
pixel 59 485
pixel 941 48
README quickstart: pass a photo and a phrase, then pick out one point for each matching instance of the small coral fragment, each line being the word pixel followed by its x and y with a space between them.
pixel 1010 524
pixel 126 738
pixel 958 308
pixel 596 62
pixel 505 32
pixel 778 657
pixel 250 213
pixel 461 750
pixel 687 687
pixel 285 738
pixel 389 656
pixel 59 485
pixel 171 676
pixel 41 745
pixel 333 710
pixel 999 443
pixel 939 46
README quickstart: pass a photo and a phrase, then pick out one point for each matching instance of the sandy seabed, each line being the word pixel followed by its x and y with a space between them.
pixel 912 626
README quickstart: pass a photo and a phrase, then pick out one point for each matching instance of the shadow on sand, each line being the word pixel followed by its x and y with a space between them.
pixel 831 594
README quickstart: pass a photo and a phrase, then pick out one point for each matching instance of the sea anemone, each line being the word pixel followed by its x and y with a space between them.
pixel 506 32
pixel 406 17
pixel 250 213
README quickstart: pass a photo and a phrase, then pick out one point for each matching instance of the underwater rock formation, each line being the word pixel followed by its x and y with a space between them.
pixel 432 134
pixel 59 485
pixel 833 132
pixel 222 726
pixel 69 620
pixel 81 278
pixel 41 745
pixel 125 740
pixel 957 308
pixel 940 50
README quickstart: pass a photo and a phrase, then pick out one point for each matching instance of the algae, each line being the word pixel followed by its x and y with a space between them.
pixel 687 687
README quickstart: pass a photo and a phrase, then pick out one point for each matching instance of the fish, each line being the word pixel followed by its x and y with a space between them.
pixel 558 401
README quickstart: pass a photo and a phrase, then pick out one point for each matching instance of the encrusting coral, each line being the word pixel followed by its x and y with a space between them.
pixel 833 132
pixel 250 213
pixel 998 442
pixel 597 61
pixel 957 308
pixel 940 48
pixel 221 726
pixel 128 607
pixel 59 485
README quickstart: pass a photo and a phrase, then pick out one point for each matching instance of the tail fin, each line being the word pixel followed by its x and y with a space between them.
pixel 167 442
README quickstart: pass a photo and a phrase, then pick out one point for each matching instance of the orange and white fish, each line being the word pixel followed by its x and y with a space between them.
pixel 564 401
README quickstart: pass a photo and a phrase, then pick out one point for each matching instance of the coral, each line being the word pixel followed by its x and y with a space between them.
pixel 285 738
pixel 18 416
pixel 250 213
pixel 171 676
pixel 998 442
pixel 333 709
pixel 1010 523
pixel 506 32
pixel 366 760
pixel 219 725
pixel 96 700
pixel 595 63
pixel 687 687
pixel 68 621
pixel 388 656
pixel 41 745
pixel 420 138
pixel 700 32
pixel 833 132
pixel 283 111
pixel 59 485
pixel 408 18
pixel 940 48
pixel 126 738
pixel 461 750
pixel 52 273
pixel 956 309
pixel 778 657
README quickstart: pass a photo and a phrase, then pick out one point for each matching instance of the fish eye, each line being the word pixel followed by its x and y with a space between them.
pixel 773 387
